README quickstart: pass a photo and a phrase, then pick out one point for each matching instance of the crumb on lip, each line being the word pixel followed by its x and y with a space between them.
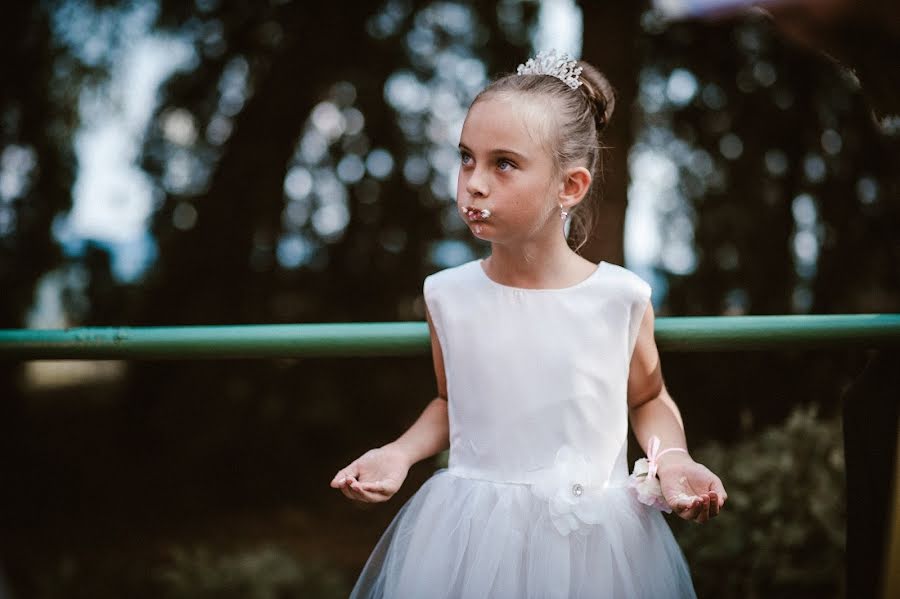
pixel 476 214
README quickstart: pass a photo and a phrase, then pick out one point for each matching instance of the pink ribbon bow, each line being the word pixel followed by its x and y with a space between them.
pixel 653 455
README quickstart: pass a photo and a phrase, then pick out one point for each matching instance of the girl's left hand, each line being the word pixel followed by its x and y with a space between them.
pixel 691 489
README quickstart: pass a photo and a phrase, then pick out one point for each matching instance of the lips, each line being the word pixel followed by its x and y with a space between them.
pixel 476 214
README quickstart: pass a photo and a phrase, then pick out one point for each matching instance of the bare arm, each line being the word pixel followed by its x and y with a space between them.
pixel 377 474
pixel 690 488
pixel 651 409
pixel 429 434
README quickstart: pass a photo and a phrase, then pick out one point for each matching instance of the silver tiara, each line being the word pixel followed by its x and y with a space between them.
pixel 548 63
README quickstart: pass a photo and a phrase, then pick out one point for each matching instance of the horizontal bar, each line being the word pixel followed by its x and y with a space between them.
pixel 222 341
pixel 683 334
pixel 763 333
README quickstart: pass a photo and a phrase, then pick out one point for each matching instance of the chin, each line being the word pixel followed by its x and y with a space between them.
pixel 480 231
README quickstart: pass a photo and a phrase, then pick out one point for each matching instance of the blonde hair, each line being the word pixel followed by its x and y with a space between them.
pixel 579 117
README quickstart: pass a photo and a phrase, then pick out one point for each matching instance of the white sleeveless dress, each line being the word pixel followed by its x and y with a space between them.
pixel 534 501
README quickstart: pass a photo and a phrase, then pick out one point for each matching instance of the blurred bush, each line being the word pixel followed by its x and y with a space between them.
pixel 781 533
pixel 266 572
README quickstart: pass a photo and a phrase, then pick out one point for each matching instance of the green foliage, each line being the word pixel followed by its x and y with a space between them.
pixel 782 530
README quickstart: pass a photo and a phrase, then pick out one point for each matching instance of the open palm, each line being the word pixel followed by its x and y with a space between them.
pixel 692 490
pixel 374 476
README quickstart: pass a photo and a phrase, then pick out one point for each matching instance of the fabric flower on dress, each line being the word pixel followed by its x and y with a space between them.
pixel 572 489
pixel 646 487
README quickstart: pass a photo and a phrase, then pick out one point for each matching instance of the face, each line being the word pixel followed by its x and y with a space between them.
pixel 505 170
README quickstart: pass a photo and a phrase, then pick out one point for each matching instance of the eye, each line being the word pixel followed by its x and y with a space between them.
pixel 464 157
pixel 504 162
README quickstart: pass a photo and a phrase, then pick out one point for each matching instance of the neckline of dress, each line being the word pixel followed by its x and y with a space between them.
pixel 479 266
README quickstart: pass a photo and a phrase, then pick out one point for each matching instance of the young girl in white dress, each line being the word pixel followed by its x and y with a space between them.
pixel 541 359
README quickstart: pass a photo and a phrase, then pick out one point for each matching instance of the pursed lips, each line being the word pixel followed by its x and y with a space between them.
pixel 476 214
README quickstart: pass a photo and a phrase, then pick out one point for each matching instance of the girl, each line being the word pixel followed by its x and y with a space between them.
pixel 541 357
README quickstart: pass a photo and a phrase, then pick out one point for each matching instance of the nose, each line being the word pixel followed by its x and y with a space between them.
pixel 476 184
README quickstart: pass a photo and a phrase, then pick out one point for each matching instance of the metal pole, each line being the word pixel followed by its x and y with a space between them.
pixel 683 334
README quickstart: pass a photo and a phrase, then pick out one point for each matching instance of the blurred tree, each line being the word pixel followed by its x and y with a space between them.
pixel 780 175
pixel 611 29
pixel 40 85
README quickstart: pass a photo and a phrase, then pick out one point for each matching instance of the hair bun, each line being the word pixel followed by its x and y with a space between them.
pixel 600 92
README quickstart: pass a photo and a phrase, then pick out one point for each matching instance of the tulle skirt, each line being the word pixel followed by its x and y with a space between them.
pixel 465 538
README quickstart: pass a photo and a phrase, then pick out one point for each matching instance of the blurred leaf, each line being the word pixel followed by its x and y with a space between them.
pixel 781 532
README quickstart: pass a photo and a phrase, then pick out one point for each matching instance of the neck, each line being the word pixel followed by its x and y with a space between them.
pixel 536 263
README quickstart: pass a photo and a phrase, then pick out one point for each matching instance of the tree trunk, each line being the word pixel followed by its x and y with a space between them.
pixel 610 33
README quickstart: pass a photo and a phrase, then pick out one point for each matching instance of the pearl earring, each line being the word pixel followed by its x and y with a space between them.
pixel 562 213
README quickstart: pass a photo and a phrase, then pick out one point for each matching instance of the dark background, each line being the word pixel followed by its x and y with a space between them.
pixel 193 477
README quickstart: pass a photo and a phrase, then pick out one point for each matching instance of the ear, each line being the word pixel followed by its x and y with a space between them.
pixel 574 186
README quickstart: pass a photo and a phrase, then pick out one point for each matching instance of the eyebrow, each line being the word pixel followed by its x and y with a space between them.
pixel 496 151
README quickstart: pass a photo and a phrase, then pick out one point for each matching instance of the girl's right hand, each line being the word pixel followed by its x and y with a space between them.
pixel 374 476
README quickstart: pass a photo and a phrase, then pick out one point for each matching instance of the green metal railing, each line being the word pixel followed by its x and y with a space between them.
pixel 683 334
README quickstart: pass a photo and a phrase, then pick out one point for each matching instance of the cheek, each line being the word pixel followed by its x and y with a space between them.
pixel 536 192
pixel 461 187
pixel 520 209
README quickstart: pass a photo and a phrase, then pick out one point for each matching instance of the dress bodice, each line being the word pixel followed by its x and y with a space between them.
pixel 532 371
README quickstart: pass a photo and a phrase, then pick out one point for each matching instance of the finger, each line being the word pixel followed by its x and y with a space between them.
pixel 352 492
pixel 344 486
pixel 703 516
pixel 690 513
pixel 373 486
pixel 688 506
pixel 713 505
pixel 366 496
pixel 717 488
pixel 345 490
pixel 695 511
pixel 350 471
pixel 379 486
